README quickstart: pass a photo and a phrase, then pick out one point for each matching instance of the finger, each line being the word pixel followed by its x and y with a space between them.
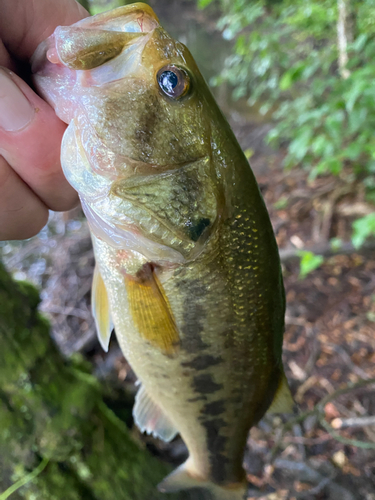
pixel 24 24
pixel 30 139
pixel 22 213
pixel 5 59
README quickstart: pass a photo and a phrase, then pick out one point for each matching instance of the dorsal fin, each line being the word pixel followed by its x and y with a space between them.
pixel 283 401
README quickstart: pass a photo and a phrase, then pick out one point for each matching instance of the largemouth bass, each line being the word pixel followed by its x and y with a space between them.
pixel 187 267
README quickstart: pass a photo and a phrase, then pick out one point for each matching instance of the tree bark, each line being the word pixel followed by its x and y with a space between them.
pixel 51 411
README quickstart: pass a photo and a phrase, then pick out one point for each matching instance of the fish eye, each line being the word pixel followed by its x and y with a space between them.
pixel 174 82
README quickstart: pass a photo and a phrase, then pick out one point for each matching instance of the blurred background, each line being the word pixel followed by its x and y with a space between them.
pixel 295 79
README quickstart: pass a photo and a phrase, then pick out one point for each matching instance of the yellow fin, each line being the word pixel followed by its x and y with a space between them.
pixel 283 401
pixel 100 309
pixel 151 311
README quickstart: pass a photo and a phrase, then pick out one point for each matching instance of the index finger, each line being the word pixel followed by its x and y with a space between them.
pixel 24 23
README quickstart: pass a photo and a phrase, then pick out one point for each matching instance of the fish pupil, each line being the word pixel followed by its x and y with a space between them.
pixel 168 81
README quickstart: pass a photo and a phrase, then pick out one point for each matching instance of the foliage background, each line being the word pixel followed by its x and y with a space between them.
pixel 286 63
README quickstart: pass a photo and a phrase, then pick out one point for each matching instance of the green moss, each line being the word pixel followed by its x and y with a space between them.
pixel 51 409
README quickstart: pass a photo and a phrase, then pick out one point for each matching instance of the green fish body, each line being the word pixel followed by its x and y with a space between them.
pixel 187 267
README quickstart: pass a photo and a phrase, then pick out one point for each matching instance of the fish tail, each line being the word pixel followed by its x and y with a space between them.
pixel 180 479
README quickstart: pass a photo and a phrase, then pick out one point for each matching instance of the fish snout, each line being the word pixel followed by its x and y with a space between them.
pixel 94 41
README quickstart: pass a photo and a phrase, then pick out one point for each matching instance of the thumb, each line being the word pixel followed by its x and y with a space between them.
pixel 30 139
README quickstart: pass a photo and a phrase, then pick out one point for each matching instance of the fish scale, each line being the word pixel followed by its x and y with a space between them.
pixel 187 267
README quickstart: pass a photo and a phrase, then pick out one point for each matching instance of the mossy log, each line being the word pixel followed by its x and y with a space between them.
pixel 52 411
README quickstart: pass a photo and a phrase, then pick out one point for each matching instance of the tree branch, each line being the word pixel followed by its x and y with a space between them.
pixel 342 38
pixel 325 249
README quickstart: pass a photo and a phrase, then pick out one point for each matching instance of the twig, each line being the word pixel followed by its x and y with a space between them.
pixel 67 311
pixel 297 431
pixel 318 410
pixel 24 480
pixel 340 423
pixel 310 475
pixel 325 249
pixel 347 359
pixel 317 489
pixel 344 440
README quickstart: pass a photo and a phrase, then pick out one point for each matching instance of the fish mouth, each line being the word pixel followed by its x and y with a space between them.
pixel 136 17
pixel 93 41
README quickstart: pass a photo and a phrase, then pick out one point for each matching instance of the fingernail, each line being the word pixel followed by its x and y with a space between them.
pixel 15 110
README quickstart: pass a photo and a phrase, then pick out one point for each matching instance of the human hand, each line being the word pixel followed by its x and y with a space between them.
pixel 31 179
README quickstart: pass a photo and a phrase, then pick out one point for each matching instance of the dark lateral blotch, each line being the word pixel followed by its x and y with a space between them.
pixel 198 398
pixel 216 444
pixel 205 384
pixel 202 362
pixel 215 408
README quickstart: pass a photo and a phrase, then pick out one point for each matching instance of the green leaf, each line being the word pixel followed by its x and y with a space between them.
pixel 286 81
pixel 362 229
pixel 359 42
pixel 353 94
pixel 291 76
pixel 353 151
pixel 357 119
pixel 336 244
pixel 298 148
pixel 281 203
pixel 319 144
pixel 203 3
pixel 309 262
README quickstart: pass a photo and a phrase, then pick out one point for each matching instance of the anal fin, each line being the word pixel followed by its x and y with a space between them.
pixel 150 418
pixel 100 309
pixel 183 479
pixel 283 401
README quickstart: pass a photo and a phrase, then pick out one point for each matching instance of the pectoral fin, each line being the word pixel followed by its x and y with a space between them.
pixel 150 418
pixel 283 401
pixel 151 311
pixel 100 309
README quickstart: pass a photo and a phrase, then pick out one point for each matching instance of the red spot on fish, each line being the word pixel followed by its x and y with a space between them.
pixel 140 22
pixel 122 255
pixel 52 56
